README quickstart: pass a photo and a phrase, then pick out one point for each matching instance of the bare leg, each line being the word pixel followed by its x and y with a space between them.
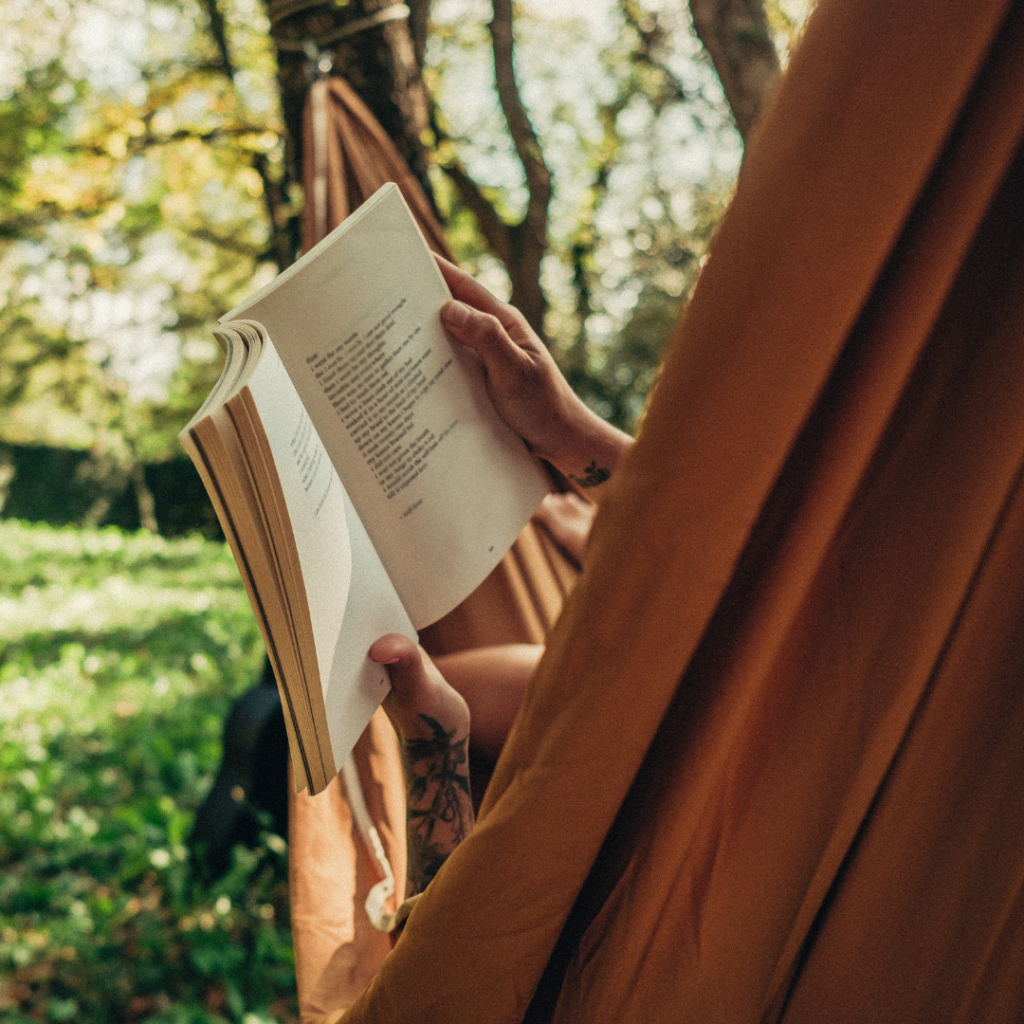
pixel 568 518
pixel 493 682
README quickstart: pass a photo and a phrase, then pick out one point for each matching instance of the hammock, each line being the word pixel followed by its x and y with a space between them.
pixel 770 767
pixel 348 844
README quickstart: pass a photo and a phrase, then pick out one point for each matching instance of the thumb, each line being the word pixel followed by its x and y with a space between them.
pixel 418 690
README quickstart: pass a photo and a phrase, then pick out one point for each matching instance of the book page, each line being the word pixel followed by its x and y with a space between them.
pixel 441 484
pixel 213 447
pixel 350 599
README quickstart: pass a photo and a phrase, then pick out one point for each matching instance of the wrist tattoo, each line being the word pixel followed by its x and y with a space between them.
pixel 595 476
pixel 438 800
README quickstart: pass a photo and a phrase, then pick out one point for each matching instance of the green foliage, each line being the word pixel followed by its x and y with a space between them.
pixel 119 657
pixel 615 371
pixel 30 126
pixel 135 186
pixel 637 132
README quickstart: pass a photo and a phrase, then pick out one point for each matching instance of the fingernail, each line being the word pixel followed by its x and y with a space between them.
pixel 455 313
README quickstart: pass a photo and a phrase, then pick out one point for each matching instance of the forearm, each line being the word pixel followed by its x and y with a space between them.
pixel 587 450
pixel 432 722
pixel 439 807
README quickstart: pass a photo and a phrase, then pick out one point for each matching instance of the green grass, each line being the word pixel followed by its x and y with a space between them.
pixel 120 655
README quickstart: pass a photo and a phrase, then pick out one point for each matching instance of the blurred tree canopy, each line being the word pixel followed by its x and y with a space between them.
pixel 579 154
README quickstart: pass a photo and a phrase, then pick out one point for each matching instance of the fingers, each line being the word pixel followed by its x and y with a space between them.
pixel 474 294
pixel 406 665
pixel 486 335
pixel 524 384
pixel 492 328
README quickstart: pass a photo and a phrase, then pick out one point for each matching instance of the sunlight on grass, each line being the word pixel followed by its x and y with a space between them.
pixel 119 657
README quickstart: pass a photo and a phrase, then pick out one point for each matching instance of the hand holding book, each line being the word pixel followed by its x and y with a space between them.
pixel 432 722
pixel 527 388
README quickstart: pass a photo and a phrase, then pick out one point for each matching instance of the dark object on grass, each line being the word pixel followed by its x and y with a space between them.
pixel 250 794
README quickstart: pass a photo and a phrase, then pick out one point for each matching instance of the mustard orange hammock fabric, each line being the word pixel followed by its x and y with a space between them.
pixel 770 769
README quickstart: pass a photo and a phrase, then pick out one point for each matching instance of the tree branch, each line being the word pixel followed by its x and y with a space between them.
pixel 735 35
pixel 520 246
pixel 227 243
pixel 273 193
pixel 538 176
pixel 492 227
pixel 651 43
pixel 219 32
pixel 137 144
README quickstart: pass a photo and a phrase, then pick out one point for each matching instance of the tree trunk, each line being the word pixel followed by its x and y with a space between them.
pixel 735 34
pixel 283 242
pixel 144 498
pixel 372 50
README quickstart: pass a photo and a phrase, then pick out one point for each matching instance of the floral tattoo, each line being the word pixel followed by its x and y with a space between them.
pixel 439 806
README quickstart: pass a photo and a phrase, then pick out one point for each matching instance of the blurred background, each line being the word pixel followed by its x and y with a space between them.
pixel 579 154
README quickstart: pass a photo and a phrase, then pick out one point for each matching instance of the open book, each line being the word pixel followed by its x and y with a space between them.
pixel 362 478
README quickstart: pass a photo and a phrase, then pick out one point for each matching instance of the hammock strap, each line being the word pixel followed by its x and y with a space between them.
pixel 395 12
